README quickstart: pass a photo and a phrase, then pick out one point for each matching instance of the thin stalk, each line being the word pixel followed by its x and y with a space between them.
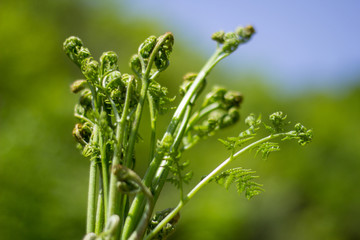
pixel 104 172
pixel 85 119
pixel 163 171
pixel 141 227
pixel 153 117
pixel 99 224
pixel 113 192
pixel 206 180
pixel 100 218
pixel 91 206
pixel 94 101
pixel 183 126
pixel 136 123
pixel 122 210
pixel 174 150
pixel 200 114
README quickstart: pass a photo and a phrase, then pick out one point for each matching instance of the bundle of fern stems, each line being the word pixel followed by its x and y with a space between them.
pixel 120 202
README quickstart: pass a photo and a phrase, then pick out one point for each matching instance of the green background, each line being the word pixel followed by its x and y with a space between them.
pixel 311 192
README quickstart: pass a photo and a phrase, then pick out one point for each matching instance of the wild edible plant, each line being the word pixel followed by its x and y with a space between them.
pixel 109 111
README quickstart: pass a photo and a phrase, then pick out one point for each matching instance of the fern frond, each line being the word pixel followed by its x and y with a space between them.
pixel 178 176
pixel 266 148
pixel 159 95
pixel 174 181
pixel 243 180
pixel 301 133
pixel 233 142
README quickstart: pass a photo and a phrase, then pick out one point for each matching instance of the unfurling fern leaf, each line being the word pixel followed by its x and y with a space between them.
pixel 178 176
pixel 243 179
pixel 162 103
pixel 266 148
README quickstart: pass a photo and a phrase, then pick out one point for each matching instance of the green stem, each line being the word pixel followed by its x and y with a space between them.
pixel 83 118
pixel 174 150
pixel 91 209
pixel 206 180
pixel 153 116
pixel 163 171
pixel 104 171
pixel 136 123
pixel 94 101
pixel 141 227
pixel 113 192
pixel 123 211
pixel 200 114
pixel 99 224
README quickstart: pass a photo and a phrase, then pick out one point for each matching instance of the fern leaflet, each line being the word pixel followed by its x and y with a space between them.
pixel 243 180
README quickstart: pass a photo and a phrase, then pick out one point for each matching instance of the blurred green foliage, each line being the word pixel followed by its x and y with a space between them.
pixel 310 193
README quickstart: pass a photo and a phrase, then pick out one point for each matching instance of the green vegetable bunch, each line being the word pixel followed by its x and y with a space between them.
pixel 109 111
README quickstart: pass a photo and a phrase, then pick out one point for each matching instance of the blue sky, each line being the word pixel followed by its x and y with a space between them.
pixel 299 44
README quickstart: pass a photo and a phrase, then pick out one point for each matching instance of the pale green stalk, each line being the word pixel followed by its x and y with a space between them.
pixel 91 206
pixel 99 224
pixel 153 117
pixel 136 123
pixel 104 172
pixel 163 171
pixel 85 119
pixel 113 192
pixel 141 228
pixel 199 115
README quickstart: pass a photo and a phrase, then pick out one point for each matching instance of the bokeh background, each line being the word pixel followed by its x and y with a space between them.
pixel 304 60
